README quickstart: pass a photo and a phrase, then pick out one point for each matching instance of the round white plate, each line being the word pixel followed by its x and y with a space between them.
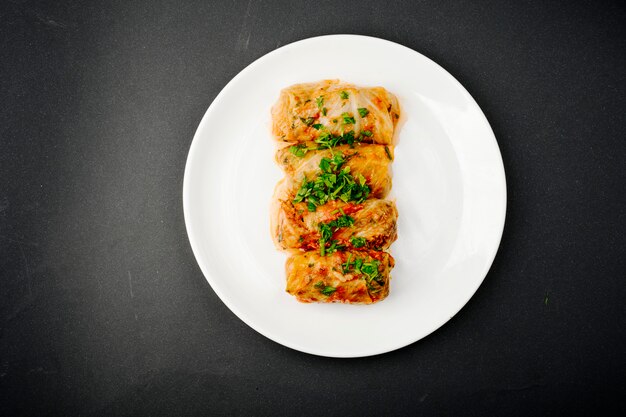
pixel 448 181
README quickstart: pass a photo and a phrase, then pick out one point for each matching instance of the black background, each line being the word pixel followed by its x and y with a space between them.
pixel 104 309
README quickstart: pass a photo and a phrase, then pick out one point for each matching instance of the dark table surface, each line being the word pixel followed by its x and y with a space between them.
pixel 98 107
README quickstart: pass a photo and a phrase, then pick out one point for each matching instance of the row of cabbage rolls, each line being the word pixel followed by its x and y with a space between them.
pixel 329 212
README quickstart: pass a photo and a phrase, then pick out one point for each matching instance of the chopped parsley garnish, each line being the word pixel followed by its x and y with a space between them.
pixel 388 153
pixel 320 102
pixel 342 221
pixel 299 150
pixel 317 126
pixel 327 140
pixel 325 289
pixel 325 164
pixel 351 265
pixel 363 111
pixel 369 270
pixel 344 95
pixel 326 233
pixel 367 133
pixel 324 111
pixel 334 247
pixel 308 121
pixel 347 119
pixel 333 182
pixel 358 242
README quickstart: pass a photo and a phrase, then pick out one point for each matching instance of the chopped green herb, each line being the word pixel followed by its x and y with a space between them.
pixel 308 121
pixel 347 119
pixel 350 265
pixel 367 133
pixel 334 247
pixel 342 221
pixel 346 266
pixel 324 111
pixel 325 289
pixel 325 164
pixel 358 242
pixel 320 101
pixel 363 111
pixel 326 233
pixel 317 126
pixel 357 264
pixel 388 153
pixel 327 140
pixel 369 270
pixel 344 95
pixel 299 150
pixel 333 182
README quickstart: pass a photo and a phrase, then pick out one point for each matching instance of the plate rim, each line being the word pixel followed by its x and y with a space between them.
pixel 192 235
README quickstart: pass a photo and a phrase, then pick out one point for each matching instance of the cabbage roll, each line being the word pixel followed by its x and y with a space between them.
pixel 348 277
pixel 369 225
pixel 363 161
pixel 331 110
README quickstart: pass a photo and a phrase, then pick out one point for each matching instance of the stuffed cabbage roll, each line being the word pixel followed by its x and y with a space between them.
pixel 369 225
pixel 363 162
pixel 347 277
pixel 331 110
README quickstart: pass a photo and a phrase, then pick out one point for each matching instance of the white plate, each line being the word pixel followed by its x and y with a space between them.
pixel 448 181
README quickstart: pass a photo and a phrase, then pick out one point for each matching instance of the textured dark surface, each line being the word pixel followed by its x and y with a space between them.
pixel 104 310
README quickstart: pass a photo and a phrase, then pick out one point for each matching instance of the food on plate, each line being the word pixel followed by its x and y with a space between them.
pixel 369 162
pixel 344 110
pixel 354 277
pixel 330 211
pixel 368 225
